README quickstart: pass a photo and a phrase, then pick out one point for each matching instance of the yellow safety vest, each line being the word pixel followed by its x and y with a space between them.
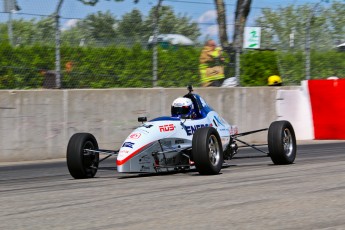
pixel 211 73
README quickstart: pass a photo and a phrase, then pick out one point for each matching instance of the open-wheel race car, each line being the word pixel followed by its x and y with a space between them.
pixel 193 137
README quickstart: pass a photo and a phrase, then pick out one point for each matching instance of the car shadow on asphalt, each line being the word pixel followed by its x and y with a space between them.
pixel 190 172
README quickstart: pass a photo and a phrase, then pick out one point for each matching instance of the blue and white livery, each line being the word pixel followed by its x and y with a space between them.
pixel 163 139
pixel 193 136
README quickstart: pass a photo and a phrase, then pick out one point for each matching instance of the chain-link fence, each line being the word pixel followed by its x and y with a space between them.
pixel 50 44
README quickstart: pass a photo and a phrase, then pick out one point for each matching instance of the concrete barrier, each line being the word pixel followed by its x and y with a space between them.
pixel 294 105
pixel 37 124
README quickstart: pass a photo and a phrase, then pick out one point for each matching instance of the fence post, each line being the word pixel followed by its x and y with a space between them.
pixel 237 66
pixel 308 40
pixel 10 7
pixel 155 48
pixel 10 29
pixel 57 45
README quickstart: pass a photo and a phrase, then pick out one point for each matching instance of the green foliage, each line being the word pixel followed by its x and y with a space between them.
pixel 30 31
pixel 132 26
pixel 45 29
pixel 327 64
pixel 20 66
pixel 336 16
pixel 94 2
pixel 169 23
pixel 24 31
pixel 326 25
pixel 99 26
pixel 257 66
pixel 291 66
pixel 115 66
pixel 178 67
pixel 101 29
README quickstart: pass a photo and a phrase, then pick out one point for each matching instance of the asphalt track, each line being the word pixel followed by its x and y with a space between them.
pixel 250 194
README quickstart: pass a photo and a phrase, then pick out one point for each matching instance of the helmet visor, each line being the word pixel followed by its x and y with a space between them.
pixel 180 110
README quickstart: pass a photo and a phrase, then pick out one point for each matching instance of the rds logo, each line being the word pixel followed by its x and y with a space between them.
pixel 166 128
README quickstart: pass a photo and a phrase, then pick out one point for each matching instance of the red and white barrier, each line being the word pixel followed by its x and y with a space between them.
pixel 327 99
pixel 317 110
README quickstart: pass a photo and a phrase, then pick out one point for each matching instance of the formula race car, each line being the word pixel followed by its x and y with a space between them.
pixel 193 137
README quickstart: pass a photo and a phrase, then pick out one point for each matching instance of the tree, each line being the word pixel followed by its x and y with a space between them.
pixel 24 32
pixel 100 27
pixel 336 17
pixel 32 31
pixel 75 35
pixel 131 26
pixel 94 2
pixel 327 26
pixel 45 30
pixel 170 23
pixel 242 12
pixel 221 19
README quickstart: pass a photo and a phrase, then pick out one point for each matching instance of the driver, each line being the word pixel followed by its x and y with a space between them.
pixel 183 106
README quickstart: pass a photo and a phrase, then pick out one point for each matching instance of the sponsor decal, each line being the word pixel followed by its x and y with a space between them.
pixel 147 126
pixel 122 161
pixel 166 128
pixel 128 145
pixel 223 130
pixel 134 136
pixel 178 104
pixel 191 129
pixel 124 151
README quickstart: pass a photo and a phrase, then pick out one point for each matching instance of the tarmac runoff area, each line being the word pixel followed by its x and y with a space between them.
pixel 251 193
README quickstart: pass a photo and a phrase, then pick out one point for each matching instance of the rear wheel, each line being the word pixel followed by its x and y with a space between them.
pixel 80 162
pixel 207 151
pixel 282 142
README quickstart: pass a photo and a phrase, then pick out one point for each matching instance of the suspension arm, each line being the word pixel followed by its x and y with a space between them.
pixel 252 146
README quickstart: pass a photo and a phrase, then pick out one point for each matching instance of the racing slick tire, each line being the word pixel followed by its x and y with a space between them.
pixel 207 151
pixel 282 143
pixel 82 164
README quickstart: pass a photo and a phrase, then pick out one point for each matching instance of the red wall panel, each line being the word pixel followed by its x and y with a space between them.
pixel 327 99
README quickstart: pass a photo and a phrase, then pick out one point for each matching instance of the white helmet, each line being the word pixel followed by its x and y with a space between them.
pixel 182 106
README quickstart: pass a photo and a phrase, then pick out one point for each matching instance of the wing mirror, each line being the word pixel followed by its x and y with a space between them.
pixel 142 119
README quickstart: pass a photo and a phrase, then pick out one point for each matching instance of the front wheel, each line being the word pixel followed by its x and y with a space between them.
pixel 207 151
pixel 281 142
pixel 82 163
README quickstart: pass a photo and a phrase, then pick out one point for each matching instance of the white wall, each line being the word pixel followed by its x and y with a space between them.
pixel 294 105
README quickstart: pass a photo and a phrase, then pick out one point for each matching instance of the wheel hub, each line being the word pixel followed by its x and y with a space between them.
pixel 213 150
pixel 287 142
pixel 89 159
